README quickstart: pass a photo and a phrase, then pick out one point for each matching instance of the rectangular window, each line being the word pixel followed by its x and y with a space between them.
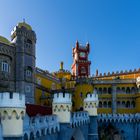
pixel 5 67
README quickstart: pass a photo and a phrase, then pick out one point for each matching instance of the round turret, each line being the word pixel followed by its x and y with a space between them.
pixel 62 106
pixel 91 103
pixel 12 111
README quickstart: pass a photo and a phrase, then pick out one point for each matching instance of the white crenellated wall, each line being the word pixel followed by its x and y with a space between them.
pixel 91 98
pixel 12 111
pixel 62 106
pixel 18 100
pixel 59 98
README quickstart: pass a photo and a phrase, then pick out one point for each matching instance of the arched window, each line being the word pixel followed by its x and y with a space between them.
pixel 133 104
pixel 28 71
pixel 104 90
pixel 100 104
pixel 105 104
pixel 109 104
pixel 118 90
pixel 100 90
pixel 127 90
pixel 128 104
pixel 29 41
pixel 96 90
pixel 123 90
pixel 118 103
pixel 5 67
pixel 109 90
pixel 123 103
pixel 133 90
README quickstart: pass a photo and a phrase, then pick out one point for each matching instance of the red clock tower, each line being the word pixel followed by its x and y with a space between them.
pixel 81 64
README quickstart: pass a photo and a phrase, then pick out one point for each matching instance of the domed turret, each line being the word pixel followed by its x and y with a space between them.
pixel 24 24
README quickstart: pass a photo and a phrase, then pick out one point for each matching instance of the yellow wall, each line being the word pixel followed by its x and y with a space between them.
pixel 85 88
pixel 78 100
pixel 137 102
pixel 104 110
pixel 45 83
pixel 62 74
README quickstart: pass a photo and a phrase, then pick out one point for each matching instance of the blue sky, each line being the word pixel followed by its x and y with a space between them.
pixel 112 28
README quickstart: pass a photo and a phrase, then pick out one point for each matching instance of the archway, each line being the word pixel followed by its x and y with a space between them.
pixel 77 135
pixel 109 132
pixel 25 136
pixel 72 138
pixel 31 136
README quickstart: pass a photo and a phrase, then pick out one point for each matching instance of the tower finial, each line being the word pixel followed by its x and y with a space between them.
pixel 61 65
pixel 24 20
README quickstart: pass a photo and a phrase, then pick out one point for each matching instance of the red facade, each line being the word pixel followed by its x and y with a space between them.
pixel 81 64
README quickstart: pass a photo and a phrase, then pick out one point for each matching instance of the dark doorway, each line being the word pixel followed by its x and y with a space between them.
pixel 72 138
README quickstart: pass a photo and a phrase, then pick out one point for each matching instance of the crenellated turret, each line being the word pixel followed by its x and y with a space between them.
pixel 62 106
pixel 12 111
pixel 91 103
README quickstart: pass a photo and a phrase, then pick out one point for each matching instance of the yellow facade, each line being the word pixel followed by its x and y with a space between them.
pixel 125 102
pixel 80 93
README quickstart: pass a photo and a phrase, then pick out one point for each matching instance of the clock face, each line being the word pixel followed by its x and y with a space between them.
pixel 82 54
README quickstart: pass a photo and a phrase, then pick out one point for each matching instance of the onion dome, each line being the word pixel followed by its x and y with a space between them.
pixel 24 24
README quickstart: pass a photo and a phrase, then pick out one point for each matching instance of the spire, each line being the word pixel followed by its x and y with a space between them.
pixel 61 65
pixel 23 20
pixel 77 44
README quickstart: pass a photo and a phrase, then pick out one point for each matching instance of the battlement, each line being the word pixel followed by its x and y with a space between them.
pixel 117 73
pixel 119 117
pixel 46 74
pixel 14 100
pixel 49 122
pixel 62 98
pixel 79 118
pixel 91 98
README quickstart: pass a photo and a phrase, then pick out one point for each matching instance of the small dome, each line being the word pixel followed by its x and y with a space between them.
pixel 24 24
pixel 4 40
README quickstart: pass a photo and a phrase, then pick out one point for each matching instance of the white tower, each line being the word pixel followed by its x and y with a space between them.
pixel 62 106
pixel 91 103
pixel 12 111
